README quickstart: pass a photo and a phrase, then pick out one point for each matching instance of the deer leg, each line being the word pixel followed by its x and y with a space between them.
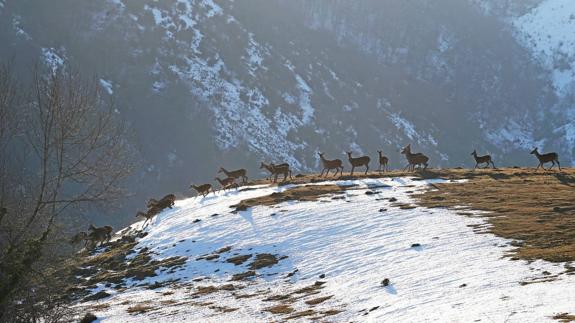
pixel 366 169
pixel 493 164
pixel 352 168
pixel 538 166
pixel 558 164
pixel 276 178
pixel 327 172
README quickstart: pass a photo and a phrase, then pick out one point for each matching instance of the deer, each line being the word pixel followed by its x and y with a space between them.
pixel 203 189
pixel 277 170
pixel 239 173
pixel 546 158
pixel 383 160
pixel 331 164
pixel 153 211
pixel 358 162
pixel 227 183
pixel 167 201
pixel 78 237
pixel 99 234
pixel 414 159
pixel 486 159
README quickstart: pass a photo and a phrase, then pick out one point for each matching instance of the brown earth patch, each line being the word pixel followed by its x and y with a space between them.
pixel 263 260
pixel 564 317
pixel 244 275
pixel 300 193
pixel 318 300
pixel 279 309
pixel 139 309
pixel 534 207
pixel 238 260
pixel 300 314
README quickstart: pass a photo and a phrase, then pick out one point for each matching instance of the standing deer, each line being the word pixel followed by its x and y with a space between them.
pixel 331 164
pixel 203 189
pixel 414 159
pixel 546 158
pixel 239 173
pixel 277 170
pixel 358 162
pixel 383 160
pixel 227 183
pixel 482 160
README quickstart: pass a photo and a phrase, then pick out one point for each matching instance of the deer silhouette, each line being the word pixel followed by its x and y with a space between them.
pixel 414 159
pixel 486 159
pixel 227 183
pixel 383 160
pixel 99 234
pixel 153 211
pixel 167 201
pixel 203 189
pixel 331 164
pixel 276 170
pixel 239 173
pixel 358 162
pixel 546 158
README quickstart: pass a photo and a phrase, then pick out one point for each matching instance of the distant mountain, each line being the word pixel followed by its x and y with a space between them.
pixel 210 83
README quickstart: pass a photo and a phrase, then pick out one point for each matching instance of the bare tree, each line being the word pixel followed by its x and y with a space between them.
pixel 68 150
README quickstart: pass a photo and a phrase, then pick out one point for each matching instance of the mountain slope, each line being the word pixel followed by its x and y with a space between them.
pixel 230 83
pixel 324 258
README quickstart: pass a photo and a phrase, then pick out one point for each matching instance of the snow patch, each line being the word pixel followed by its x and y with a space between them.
pixel 107 85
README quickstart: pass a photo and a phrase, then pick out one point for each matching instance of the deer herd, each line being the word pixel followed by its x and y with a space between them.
pixel 102 235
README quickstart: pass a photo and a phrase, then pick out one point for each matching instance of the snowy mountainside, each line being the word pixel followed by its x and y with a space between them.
pixel 210 83
pixel 323 259
pixel 545 28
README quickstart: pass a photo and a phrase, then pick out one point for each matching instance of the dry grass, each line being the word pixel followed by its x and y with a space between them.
pixel 238 260
pixel 100 307
pixel 300 193
pixel 279 309
pixel 564 317
pixel 318 300
pixel 244 275
pixel 300 314
pixel 534 207
pixel 263 260
pixel 139 309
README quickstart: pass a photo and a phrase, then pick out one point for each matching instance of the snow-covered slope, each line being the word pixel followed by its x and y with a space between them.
pixel 330 258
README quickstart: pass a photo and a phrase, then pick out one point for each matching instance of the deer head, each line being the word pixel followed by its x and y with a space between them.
pixel 534 151
pixel 474 152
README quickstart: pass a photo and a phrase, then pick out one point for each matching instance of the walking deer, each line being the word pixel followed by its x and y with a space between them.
pixel 546 158
pixel 78 237
pixel 414 159
pixel 153 211
pixel 167 201
pixel 203 189
pixel 358 162
pixel 486 159
pixel 227 183
pixel 331 164
pixel 383 160
pixel 277 170
pixel 99 234
pixel 239 173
